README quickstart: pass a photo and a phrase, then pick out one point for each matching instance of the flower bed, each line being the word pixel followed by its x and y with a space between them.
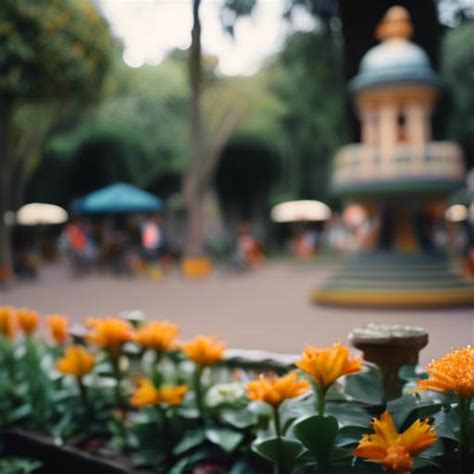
pixel 120 397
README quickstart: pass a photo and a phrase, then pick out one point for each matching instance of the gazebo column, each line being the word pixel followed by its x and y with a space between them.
pixel 388 138
pixel 418 133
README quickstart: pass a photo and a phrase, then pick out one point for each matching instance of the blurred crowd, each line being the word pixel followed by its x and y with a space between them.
pixel 129 245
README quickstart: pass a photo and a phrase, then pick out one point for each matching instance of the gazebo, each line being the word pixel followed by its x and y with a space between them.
pixel 401 178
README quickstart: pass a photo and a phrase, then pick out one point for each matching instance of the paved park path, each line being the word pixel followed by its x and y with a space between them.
pixel 267 309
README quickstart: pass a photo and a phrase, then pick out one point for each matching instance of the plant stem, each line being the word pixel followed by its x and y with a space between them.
pixel 115 360
pixel 320 409
pixel 276 420
pixel 84 397
pixel 321 402
pixel 465 415
pixel 198 391
pixel 166 433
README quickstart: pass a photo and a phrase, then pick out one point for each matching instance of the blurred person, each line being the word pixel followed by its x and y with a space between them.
pixel 79 245
pixel 249 252
pixel 152 238
pixel 303 242
pixel 152 241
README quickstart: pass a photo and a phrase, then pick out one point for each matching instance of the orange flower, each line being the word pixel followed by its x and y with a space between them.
pixel 275 390
pixel 28 320
pixel 8 321
pixel 109 333
pixel 76 361
pixel 326 365
pixel 204 350
pixel 172 395
pixel 158 335
pixel 147 394
pixel 454 372
pixel 58 326
pixel 393 450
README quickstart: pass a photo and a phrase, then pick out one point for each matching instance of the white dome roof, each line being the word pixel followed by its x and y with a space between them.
pixel 393 61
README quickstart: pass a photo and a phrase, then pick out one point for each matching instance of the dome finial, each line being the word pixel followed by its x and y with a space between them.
pixel 396 23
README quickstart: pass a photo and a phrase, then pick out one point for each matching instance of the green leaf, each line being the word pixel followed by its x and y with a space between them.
pixel 318 434
pixel 228 440
pixel 183 465
pixel 349 414
pixel 349 435
pixel 421 462
pixel 190 440
pixel 447 424
pixel 148 457
pixel 188 412
pixel 283 451
pixel 434 451
pixel 261 409
pixel 157 378
pixel 411 373
pixel 366 387
pixel 240 419
pixel 401 408
pixel 21 412
pixel 243 466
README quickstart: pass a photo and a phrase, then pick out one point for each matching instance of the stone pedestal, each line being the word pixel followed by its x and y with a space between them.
pixel 390 348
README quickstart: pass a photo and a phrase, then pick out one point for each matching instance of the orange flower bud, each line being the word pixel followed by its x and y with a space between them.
pixel 204 350
pixel 8 321
pixel 76 361
pixel 275 390
pixel 28 320
pixel 58 327
pixel 158 335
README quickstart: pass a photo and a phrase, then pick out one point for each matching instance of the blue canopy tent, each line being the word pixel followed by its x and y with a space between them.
pixel 119 198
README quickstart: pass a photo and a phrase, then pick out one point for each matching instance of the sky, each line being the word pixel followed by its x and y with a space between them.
pixel 149 29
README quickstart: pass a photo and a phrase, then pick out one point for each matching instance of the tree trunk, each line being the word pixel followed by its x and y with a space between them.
pixel 5 243
pixel 193 187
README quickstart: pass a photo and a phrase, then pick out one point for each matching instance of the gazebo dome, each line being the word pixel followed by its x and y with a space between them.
pixel 396 60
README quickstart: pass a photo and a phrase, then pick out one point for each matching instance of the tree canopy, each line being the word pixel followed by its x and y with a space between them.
pixel 458 73
pixel 52 48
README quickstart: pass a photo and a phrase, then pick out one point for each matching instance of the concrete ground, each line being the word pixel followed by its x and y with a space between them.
pixel 266 309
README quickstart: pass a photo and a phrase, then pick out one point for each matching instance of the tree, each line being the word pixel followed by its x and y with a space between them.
pixel 138 128
pixel 51 53
pixel 313 121
pixel 458 74
pixel 205 144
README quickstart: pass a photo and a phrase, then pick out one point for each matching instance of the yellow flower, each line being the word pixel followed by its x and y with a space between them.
pixel 326 365
pixel 454 372
pixel 204 350
pixel 147 394
pixel 109 333
pixel 8 321
pixel 275 390
pixel 393 450
pixel 76 361
pixel 58 327
pixel 158 335
pixel 28 320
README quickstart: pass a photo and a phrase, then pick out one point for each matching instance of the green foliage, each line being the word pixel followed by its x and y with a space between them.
pixel 312 88
pixel 283 452
pixel 366 387
pixel 458 73
pixel 318 434
pixel 221 428
pixel 52 48
pixel 18 466
pixel 137 134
